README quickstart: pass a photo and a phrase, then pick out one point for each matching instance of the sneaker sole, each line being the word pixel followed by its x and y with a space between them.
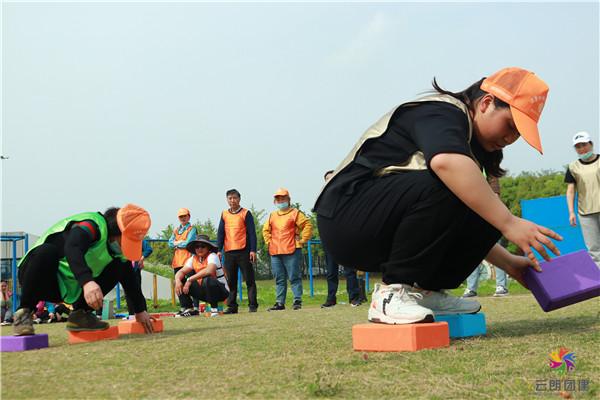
pixel 500 294
pixel 380 318
pixel 456 312
pixel 28 333
pixel 86 329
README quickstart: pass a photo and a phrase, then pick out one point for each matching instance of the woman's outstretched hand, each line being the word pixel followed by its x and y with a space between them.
pixel 527 236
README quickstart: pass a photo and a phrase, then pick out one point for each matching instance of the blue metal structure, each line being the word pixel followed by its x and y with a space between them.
pixel 14 239
pixel 552 212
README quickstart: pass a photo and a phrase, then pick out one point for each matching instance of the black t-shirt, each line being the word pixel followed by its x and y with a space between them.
pixel 569 178
pixel 432 128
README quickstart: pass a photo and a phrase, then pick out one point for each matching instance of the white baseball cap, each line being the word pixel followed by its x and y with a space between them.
pixel 581 137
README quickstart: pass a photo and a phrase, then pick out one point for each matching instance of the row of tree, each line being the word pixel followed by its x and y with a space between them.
pixel 513 189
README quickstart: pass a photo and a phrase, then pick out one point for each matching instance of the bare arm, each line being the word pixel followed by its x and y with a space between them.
pixel 462 176
pixel 513 265
pixel 570 203
pixel 183 272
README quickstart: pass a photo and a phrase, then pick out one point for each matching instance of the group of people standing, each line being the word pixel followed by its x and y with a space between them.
pixel 285 232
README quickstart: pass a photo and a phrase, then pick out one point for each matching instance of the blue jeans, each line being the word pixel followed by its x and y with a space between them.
pixel 473 279
pixel 284 266
pixel 333 280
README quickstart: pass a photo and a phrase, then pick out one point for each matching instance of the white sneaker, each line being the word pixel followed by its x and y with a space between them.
pixel 188 312
pixel 396 304
pixel 214 314
pixel 501 291
pixel 441 303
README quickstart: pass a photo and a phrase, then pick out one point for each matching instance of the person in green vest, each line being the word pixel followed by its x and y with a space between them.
pixel 78 261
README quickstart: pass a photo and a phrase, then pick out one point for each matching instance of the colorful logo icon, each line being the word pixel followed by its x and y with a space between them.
pixel 562 360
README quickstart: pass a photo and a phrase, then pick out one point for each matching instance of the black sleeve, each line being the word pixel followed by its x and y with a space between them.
pixel 132 286
pixel 251 231
pixel 569 177
pixel 221 234
pixel 77 243
pixel 440 128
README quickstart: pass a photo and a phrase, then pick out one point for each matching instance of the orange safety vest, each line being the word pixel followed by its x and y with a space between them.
pixel 181 255
pixel 200 265
pixel 283 232
pixel 235 229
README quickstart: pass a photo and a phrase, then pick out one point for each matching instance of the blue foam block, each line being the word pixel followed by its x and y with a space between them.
pixel 464 325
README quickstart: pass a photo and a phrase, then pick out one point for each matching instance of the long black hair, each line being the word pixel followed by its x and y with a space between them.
pixel 470 96
pixel 110 215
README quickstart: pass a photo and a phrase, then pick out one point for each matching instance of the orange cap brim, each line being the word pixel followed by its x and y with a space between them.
pixel 132 249
pixel 527 128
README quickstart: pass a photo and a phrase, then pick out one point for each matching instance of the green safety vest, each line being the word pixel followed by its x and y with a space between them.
pixel 97 257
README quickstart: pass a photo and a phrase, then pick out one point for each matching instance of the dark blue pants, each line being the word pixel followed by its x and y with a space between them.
pixel 333 271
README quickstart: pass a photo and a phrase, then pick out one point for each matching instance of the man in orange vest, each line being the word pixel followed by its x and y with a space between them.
pixel 237 237
pixel 285 232
pixel 182 235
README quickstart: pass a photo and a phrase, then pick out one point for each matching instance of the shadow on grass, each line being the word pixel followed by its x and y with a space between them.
pixel 525 327
pixel 197 329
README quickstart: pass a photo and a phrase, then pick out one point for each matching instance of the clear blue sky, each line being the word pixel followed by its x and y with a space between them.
pixel 170 105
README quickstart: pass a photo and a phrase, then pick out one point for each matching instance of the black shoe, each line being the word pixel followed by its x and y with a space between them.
pixel 188 312
pixel 252 309
pixel 297 305
pixel 85 320
pixel 328 304
pixel 355 303
pixel 230 311
pixel 277 307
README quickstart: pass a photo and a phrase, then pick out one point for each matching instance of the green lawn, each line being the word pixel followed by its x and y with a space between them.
pixel 308 353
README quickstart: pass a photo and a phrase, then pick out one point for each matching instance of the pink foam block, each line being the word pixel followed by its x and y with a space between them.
pixel 22 343
pixel 564 280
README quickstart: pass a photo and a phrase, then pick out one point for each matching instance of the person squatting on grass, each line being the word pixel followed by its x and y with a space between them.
pixel 181 237
pixel 583 177
pixel 411 200
pixel 237 237
pixel 285 232
pixel 78 261
pixel 205 277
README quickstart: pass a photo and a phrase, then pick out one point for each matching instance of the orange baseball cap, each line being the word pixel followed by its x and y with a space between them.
pixel 134 223
pixel 182 212
pixel 281 192
pixel 526 94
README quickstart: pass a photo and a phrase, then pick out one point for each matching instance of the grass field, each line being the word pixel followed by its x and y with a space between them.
pixel 308 354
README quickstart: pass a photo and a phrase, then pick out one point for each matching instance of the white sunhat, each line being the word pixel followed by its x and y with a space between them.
pixel 581 137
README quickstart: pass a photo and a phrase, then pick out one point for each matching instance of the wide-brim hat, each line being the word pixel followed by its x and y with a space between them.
pixel 200 239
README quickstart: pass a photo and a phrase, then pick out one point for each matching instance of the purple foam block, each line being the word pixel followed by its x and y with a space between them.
pixel 564 280
pixel 22 343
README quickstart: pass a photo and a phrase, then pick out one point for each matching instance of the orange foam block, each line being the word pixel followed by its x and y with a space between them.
pixel 93 336
pixel 409 337
pixel 162 314
pixel 130 327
